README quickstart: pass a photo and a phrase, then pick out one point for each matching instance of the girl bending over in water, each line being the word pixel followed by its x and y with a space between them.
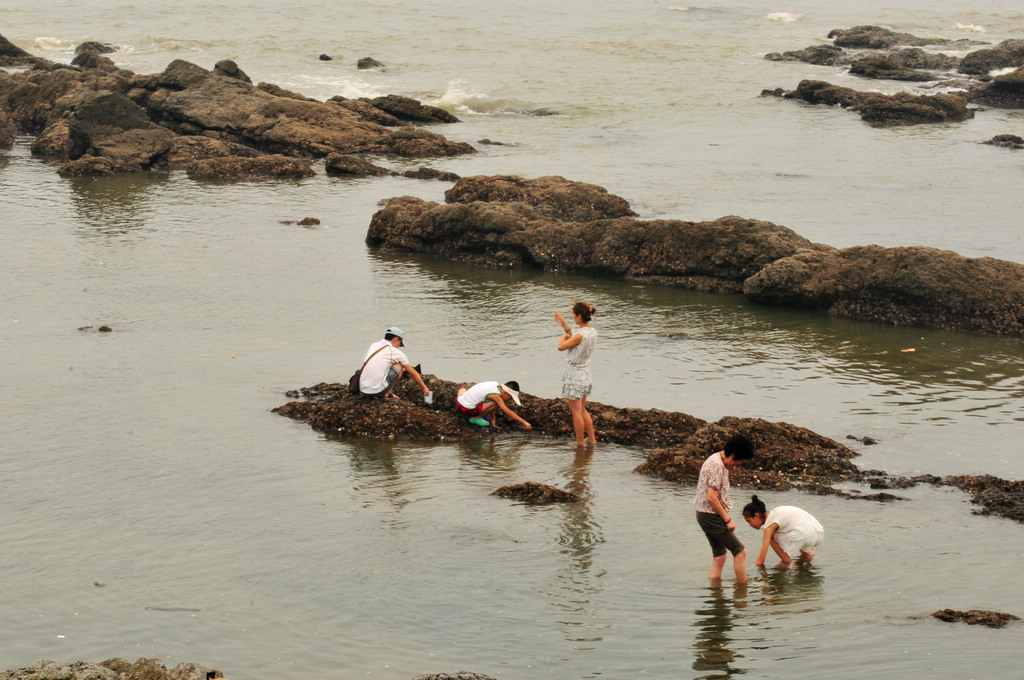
pixel 790 531
pixel 576 382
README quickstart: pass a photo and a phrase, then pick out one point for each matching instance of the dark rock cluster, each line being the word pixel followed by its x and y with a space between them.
pixel 882 54
pixel 98 120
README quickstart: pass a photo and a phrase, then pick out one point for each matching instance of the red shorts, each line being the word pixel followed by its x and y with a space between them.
pixel 468 412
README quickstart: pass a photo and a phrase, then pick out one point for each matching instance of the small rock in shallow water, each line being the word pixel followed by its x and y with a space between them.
pixel 976 617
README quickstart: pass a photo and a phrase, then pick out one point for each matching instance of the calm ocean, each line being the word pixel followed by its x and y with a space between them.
pixel 152 505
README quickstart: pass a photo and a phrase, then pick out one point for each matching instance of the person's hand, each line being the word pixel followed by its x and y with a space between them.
pixel 527 426
pixel 559 319
pixel 759 563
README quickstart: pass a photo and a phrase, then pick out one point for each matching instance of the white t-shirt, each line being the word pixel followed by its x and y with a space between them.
pixel 478 392
pixel 374 376
pixel 798 529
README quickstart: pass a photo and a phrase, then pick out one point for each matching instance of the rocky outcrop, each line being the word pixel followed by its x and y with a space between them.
pixel 558 225
pixel 711 256
pixel 111 669
pixel 882 110
pixel 1007 54
pixel 132 121
pixel 1005 91
pixel 910 286
pixel 788 456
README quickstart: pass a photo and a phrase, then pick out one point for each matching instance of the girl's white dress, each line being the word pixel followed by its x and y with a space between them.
pixel 798 529
pixel 576 382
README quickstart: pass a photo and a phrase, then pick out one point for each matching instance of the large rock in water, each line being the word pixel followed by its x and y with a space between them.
pixel 911 286
pixel 565 226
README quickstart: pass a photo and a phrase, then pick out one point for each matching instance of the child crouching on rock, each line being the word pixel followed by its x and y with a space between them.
pixel 790 531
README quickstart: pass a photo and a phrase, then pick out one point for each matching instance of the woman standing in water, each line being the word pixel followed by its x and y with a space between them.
pixel 576 382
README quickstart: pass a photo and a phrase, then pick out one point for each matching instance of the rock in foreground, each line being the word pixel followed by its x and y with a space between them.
pixel 111 669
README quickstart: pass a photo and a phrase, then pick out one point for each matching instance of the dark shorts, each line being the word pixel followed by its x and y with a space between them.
pixel 392 377
pixel 720 538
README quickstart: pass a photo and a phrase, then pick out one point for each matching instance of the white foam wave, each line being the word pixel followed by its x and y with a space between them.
pixel 319 87
pixel 464 100
pixel 785 17
pixel 973 28
pixel 51 43
pixel 679 8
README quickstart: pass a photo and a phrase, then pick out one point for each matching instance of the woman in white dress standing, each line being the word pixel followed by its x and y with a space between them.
pixel 576 382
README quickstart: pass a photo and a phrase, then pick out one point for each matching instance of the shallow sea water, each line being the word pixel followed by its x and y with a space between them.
pixel 153 506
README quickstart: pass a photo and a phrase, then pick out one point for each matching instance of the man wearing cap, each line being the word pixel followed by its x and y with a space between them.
pixel 481 402
pixel 385 364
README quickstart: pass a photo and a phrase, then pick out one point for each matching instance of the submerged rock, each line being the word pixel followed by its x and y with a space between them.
pixel 976 617
pixel 536 493
pixel 1008 141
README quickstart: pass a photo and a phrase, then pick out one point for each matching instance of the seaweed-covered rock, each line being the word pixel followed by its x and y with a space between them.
pixel 536 493
pixel 912 286
pixel 242 167
pixel 995 496
pixel 973 617
pixel 786 455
